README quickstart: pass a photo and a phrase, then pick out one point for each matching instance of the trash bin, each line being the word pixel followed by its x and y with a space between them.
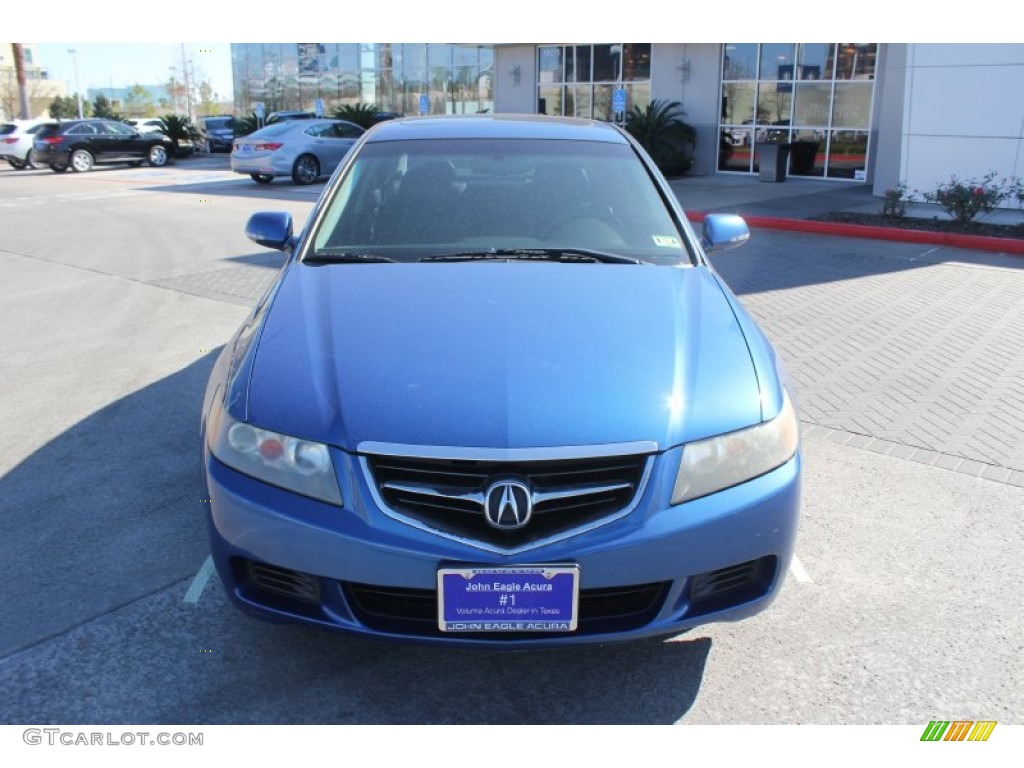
pixel 803 153
pixel 772 158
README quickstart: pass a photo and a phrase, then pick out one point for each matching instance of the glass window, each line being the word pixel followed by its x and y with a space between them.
pixel 812 103
pixel 738 103
pixel 774 103
pixel 856 61
pixel 636 61
pixel 638 95
pixel 550 102
pixel 740 61
pixel 549 65
pixel 603 102
pixel 815 61
pixel 807 153
pixel 606 62
pixel 847 155
pixel 777 61
pixel 852 105
pixel 583 69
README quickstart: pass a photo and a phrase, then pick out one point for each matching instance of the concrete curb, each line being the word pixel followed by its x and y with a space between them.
pixel 971 242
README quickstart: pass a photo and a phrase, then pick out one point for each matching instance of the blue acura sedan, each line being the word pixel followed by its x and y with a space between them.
pixel 499 398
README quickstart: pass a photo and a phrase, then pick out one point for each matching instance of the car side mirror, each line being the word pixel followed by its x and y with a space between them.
pixel 271 229
pixel 723 231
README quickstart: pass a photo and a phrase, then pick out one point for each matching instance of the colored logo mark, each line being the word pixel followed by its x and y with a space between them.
pixel 958 730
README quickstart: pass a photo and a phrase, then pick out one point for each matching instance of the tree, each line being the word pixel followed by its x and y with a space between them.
pixel 138 102
pixel 661 131
pixel 361 114
pixel 178 128
pixel 101 107
pixel 64 107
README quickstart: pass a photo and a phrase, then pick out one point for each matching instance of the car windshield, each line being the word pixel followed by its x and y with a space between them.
pixel 498 198
pixel 221 124
pixel 7 128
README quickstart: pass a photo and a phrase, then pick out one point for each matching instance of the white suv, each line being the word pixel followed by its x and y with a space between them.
pixel 16 142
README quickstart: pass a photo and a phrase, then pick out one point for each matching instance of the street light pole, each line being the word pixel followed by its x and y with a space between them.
pixel 78 93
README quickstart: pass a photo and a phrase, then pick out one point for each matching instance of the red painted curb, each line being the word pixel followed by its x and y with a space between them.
pixel 1005 245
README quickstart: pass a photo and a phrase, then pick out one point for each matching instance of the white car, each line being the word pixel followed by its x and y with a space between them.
pixel 151 125
pixel 16 142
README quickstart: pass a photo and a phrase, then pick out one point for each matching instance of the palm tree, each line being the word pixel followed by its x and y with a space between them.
pixel 181 131
pixel 361 114
pixel 667 138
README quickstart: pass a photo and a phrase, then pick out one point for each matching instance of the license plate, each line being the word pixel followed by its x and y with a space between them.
pixel 543 598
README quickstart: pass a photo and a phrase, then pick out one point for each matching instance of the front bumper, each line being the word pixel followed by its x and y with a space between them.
pixel 659 570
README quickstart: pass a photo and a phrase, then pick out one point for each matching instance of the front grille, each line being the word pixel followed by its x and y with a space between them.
pixel 447 495
pixel 414 611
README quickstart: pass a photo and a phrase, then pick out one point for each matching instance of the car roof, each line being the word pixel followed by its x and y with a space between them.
pixel 496 127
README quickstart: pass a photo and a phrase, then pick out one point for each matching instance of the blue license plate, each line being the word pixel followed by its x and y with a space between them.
pixel 543 598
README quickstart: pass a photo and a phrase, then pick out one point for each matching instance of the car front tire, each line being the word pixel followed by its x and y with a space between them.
pixel 306 170
pixel 157 156
pixel 82 161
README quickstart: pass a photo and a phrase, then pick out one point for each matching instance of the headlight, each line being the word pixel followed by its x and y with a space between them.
pixel 298 465
pixel 721 462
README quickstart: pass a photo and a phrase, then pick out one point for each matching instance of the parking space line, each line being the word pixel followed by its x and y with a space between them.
pixel 195 590
pixel 798 571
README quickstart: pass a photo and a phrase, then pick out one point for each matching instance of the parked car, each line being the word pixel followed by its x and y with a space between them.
pixel 150 125
pixel 498 397
pixel 16 142
pixel 305 150
pixel 218 132
pixel 289 114
pixel 81 144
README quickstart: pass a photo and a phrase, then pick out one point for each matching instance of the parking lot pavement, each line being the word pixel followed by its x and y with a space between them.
pixel 908 350
pixel 903 605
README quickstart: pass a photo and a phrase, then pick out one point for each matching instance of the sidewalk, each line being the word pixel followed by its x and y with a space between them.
pixel 789 205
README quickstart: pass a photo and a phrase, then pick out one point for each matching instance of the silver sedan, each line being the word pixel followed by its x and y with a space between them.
pixel 302 149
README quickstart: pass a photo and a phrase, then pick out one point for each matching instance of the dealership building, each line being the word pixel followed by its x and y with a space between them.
pixel 861 113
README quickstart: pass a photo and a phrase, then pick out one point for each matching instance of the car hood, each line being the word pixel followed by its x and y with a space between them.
pixel 501 355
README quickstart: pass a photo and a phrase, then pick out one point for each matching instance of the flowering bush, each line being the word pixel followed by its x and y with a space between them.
pixel 964 200
pixel 895 201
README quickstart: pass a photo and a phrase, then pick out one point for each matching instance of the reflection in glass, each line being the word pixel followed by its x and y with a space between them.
pixel 731 155
pixel 777 61
pixel 774 103
pixel 638 95
pixel 812 104
pixel 550 100
pixel 603 102
pixel 856 61
pixel 636 61
pixel 847 154
pixel 582 68
pixel 737 103
pixel 606 62
pixel 807 153
pixel 851 107
pixel 583 100
pixel 815 61
pixel 549 65
pixel 739 61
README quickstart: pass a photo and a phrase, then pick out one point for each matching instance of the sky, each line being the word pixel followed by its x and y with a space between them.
pixel 118 65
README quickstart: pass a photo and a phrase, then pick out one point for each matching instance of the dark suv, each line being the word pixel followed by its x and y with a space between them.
pixel 81 144
pixel 218 132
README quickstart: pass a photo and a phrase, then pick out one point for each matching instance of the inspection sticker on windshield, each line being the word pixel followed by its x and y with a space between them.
pixel 521 599
pixel 666 241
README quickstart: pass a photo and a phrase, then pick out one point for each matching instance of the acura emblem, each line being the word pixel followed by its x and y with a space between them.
pixel 508 505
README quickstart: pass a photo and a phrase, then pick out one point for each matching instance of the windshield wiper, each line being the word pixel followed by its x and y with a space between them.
pixel 536 254
pixel 337 257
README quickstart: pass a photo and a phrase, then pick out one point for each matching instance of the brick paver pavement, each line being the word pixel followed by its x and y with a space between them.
pixel 911 356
